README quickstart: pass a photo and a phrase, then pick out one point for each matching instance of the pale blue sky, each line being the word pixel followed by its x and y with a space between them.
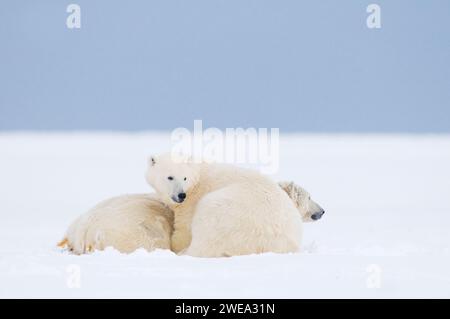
pixel 309 66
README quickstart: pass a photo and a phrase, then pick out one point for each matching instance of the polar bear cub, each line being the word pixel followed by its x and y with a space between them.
pixel 126 222
pixel 222 210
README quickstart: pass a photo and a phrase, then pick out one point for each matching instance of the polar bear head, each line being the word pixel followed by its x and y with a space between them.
pixel 309 209
pixel 172 177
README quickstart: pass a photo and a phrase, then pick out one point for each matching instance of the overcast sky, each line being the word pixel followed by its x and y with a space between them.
pixel 157 65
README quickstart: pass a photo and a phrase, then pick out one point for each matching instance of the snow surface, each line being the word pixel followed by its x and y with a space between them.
pixel 385 232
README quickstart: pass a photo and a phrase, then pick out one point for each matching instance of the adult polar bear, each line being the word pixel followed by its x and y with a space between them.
pixel 222 210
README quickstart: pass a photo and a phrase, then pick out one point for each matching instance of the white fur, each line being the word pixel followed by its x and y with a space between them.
pixel 125 222
pixel 302 200
pixel 228 210
pixel 130 222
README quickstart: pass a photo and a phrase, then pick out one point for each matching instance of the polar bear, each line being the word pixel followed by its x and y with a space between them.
pixel 126 222
pixel 130 222
pixel 309 209
pixel 222 210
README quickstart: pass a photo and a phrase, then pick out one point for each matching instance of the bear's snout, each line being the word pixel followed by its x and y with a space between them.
pixel 179 198
pixel 317 215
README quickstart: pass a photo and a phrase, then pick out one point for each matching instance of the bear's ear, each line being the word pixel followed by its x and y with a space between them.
pixel 151 160
pixel 286 186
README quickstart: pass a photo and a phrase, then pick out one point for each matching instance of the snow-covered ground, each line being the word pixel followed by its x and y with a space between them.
pixel 386 231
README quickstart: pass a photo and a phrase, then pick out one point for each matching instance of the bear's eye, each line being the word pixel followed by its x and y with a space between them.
pixel 185 178
pixel 170 178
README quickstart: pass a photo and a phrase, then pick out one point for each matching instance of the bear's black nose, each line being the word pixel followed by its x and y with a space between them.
pixel 318 215
pixel 182 196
